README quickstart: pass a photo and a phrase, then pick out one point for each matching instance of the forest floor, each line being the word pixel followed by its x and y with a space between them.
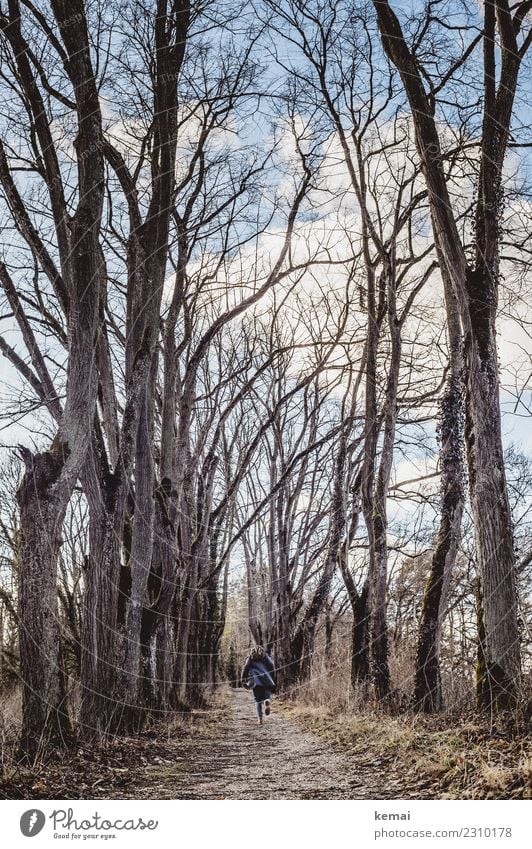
pixel 299 753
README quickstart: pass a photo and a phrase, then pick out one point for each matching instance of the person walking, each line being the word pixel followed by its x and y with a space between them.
pixel 257 674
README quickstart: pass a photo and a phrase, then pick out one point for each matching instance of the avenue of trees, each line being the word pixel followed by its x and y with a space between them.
pixel 263 280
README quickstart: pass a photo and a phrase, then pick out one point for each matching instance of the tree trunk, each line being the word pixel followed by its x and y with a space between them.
pixel 147 263
pixel 367 476
pixel 51 476
pixel 100 660
pixel 476 289
pixel 303 640
pixel 428 692
pixel 360 665
pixel 44 712
pixel 140 564
pixel 379 519
pixel 157 633
pixel 107 582
pixel 494 535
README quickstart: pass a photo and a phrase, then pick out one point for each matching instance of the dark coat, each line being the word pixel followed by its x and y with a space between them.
pixel 259 673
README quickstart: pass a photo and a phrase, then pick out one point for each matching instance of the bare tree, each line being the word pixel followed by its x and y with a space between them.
pixel 428 689
pixel 51 475
pixel 475 286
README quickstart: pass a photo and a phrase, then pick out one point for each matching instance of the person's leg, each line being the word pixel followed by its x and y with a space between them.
pixel 258 693
pixel 267 702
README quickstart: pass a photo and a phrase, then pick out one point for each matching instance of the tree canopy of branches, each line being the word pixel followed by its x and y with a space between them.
pixel 255 259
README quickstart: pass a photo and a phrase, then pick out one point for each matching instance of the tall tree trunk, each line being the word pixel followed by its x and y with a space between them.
pixel 51 476
pixel 378 521
pixel 100 661
pixel 147 270
pixel 360 659
pixel 107 582
pixel 157 629
pixel 183 636
pixel 475 288
pixel 140 562
pixel 367 476
pixel 303 640
pixel 494 539
pixel 44 711
pixel 360 656
pixel 427 690
pixel 157 634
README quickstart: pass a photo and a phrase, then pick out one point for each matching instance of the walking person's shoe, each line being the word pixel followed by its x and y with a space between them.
pixel 260 721
pixel 267 707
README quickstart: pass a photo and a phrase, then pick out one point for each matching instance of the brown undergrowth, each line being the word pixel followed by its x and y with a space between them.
pixel 105 769
pixel 459 758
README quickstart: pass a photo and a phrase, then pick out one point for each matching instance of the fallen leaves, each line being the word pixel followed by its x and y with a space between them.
pixel 96 772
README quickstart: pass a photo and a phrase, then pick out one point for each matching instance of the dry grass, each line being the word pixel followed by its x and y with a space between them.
pixel 467 760
pixel 461 754
pixel 10 713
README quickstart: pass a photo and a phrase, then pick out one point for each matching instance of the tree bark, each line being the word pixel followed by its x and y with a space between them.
pixel 45 718
pixel 475 288
pixel 147 261
pixel 360 659
pixel 378 537
pixel 51 476
pixel 302 644
pixel 428 695
pixel 428 690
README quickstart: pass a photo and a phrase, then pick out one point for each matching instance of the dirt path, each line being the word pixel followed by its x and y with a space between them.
pixel 221 753
pixel 237 759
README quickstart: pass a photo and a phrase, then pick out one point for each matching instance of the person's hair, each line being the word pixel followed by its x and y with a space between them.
pixel 257 653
